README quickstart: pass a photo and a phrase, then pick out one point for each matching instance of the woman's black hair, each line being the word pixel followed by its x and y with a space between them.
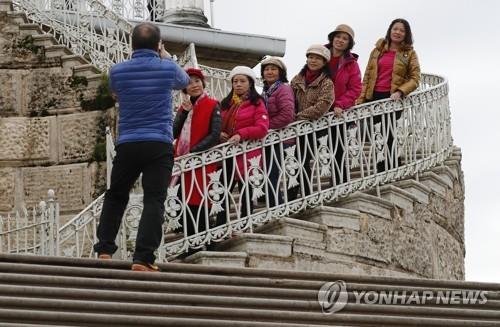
pixel 282 75
pixel 325 70
pixel 408 36
pixel 253 96
pixel 331 36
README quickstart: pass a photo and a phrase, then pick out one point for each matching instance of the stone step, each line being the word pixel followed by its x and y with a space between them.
pixel 94 80
pixel 56 50
pixel 219 259
pixel 17 17
pixel 73 60
pixel 5 5
pixel 87 70
pixel 417 189
pixel 397 196
pixel 435 182
pixel 67 291
pixel 294 228
pixel 367 203
pixel 261 244
pixel 44 40
pixel 333 217
pixel 29 29
pixel 446 173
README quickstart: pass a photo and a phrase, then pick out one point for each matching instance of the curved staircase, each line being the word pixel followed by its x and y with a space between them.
pixel 88 292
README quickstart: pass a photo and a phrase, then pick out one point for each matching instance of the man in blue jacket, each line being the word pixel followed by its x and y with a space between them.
pixel 143 86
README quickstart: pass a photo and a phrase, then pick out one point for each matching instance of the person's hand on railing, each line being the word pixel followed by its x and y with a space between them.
pixel 397 95
pixel 223 137
pixel 235 139
pixel 338 112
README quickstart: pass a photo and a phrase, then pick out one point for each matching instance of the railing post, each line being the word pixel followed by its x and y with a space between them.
pixel 53 217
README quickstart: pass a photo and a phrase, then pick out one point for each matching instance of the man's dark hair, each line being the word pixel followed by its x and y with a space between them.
pixel 145 36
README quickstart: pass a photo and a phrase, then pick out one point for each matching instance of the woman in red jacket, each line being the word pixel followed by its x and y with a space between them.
pixel 196 128
pixel 244 117
pixel 346 77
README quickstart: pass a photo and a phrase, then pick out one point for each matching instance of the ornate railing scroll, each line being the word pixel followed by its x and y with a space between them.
pixel 31 231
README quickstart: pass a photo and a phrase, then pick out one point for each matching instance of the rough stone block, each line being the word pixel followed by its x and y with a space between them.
pixel 397 196
pixel 367 203
pixel 419 190
pixel 220 259
pixel 271 262
pixel 449 255
pixel 77 135
pixel 71 184
pixel 7 188
pixel 434 182
pixel 271 245
pixel 25 139
pixel 295 228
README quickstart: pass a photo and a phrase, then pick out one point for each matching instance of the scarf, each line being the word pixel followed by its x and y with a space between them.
pixel 184 141
pixel 229 120
pixel 311 76
pixel 269 90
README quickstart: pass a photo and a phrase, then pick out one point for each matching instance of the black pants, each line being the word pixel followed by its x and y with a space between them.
pixel 389 119
pixel 275 166
pixel 307 151
pixel 244 194
pixel 153 10
pixel 338 147
pixel 155 161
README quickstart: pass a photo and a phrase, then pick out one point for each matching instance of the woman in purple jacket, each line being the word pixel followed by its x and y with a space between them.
pixel 280 103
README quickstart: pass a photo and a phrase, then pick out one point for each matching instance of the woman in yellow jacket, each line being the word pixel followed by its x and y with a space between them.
pixel 392 72
pixel 393 69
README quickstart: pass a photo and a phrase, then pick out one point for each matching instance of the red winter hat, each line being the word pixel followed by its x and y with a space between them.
pixel 196 72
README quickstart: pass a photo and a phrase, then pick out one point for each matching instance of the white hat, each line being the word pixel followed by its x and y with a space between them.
pixel 243 70
pixel 320 50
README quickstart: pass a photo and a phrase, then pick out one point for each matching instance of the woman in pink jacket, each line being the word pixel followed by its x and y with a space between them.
pixel 280 103
pixel 346 77
pixel 244 117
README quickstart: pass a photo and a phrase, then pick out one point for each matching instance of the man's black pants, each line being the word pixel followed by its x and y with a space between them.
pixel 155 161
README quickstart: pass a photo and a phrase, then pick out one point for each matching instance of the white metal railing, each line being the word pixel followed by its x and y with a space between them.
pixel 420 125
pixel 88 27
pixel 31 232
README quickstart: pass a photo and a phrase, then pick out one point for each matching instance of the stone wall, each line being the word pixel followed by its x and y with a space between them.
pixel 409 229
pixel 51 140
pixel 74 185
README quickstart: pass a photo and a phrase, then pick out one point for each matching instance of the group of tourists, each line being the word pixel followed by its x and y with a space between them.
pixel 330 80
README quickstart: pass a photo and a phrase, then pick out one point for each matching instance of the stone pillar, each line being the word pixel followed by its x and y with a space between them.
pixel 185 12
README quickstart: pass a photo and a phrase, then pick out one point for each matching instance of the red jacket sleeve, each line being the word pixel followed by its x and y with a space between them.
pixel 353 91
pixel 260 126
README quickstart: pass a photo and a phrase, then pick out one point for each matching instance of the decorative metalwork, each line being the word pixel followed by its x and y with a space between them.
pixel 99 31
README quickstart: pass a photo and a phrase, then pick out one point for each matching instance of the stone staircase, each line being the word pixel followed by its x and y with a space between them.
pixel 409 228
pixel 53 291
pixel 51 123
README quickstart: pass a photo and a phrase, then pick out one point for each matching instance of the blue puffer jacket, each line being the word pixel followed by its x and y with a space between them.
pixel 144 87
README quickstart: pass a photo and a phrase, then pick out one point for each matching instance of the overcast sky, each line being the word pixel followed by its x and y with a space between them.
pixel 455 38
